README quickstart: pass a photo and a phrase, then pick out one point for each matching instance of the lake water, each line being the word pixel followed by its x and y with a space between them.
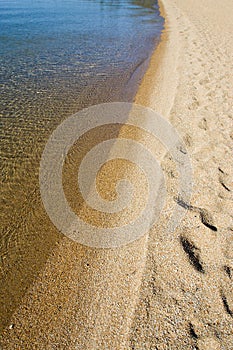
pixel 57 56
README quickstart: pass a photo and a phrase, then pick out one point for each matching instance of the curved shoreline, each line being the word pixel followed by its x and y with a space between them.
pixel 178 304
pixel 112 309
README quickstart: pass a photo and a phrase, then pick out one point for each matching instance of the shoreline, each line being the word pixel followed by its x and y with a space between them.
pixel 156 290
pixel 163 62
pixel 13 291
pixel 124 293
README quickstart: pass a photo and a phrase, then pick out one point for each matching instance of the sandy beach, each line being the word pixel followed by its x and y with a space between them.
pixel 163 291
pixel 186 295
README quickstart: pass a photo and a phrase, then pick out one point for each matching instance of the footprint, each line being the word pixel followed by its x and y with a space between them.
pixel 205 216
pixel 203 124
pixel 226 305
pixel 183 204
pixel 192 331
pixel 227 269
pixel 223 179
pixel 193 254
pixel 207 219
pixel 188 140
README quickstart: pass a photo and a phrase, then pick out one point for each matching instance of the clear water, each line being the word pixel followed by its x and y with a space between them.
pixel 56 56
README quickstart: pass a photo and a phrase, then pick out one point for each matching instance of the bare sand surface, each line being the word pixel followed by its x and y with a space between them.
pixel 164 291
pixel 186 295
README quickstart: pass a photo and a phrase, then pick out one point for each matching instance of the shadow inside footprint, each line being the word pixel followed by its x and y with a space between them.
pixel 227 269
pixel 193 254
pixel 192 331
pixel 222 177
pixel 225 304
pixel 206 219
pixel 205 216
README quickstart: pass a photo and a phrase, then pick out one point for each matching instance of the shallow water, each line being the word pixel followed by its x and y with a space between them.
pixel 56 58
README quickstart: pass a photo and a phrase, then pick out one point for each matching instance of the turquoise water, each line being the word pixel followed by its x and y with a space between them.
pixel 56 56
pixel 49 45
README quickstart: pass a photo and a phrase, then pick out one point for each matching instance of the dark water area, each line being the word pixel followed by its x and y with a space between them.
pixel 56 57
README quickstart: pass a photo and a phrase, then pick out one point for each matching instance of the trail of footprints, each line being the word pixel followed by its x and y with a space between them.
pixel 207 90
pixel 206 97
pixel 194 253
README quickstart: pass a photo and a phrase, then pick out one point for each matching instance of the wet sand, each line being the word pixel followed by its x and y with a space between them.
pixel 163 291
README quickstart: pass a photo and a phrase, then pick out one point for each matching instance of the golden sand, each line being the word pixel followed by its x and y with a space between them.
pixel 162 291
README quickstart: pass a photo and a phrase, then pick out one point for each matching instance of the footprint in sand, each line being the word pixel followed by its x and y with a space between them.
pixel 207 219
pixel 224 180
pixel 193 254
pixel 227 269
pixel 205 216
pixel 192 331
pixel 226 304
pixel 203 124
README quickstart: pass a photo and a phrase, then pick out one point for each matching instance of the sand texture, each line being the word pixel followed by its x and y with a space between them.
pixel 186 296
pixel 167 290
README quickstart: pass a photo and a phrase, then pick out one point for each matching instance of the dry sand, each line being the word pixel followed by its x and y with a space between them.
pixel 162 291
pixel 186 298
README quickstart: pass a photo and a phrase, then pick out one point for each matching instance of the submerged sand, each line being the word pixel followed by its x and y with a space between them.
pixel 162 291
